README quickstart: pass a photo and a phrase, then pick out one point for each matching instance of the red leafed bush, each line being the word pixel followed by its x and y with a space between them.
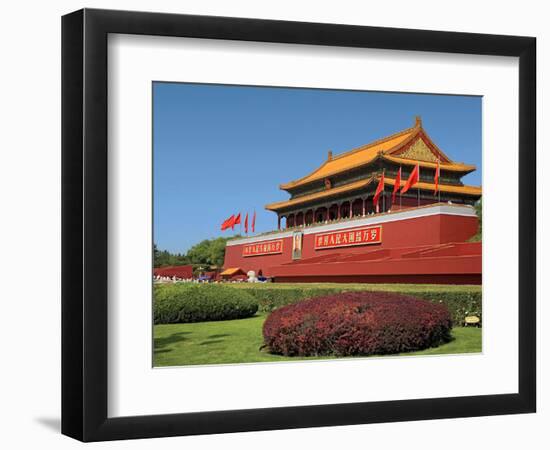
pixel 357 323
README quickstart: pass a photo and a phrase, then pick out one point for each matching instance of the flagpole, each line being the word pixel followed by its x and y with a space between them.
pixel 400 191
pixel 400 195
pixel 438 177
pixel 438 182
pixel 383 192
pixel 418 188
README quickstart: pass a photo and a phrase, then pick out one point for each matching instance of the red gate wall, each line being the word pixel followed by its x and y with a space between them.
pixel 430 225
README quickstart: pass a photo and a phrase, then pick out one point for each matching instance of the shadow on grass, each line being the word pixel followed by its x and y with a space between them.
pixel 162 342
pixel 452 339
pixel 217 336
pixel 215 341
pixel 166 350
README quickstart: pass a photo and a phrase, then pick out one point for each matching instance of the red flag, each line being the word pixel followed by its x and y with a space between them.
pixel 413 179
pixel 396 186
pixel 254 222
pixel 236 221
pixel 436 178
pixel 246 223
pixel 379 190
pixel 228 223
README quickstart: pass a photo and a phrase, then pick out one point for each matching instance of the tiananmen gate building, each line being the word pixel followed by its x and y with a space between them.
pixel 330 229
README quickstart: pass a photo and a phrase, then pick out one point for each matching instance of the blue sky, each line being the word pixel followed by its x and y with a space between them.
pixel 219 149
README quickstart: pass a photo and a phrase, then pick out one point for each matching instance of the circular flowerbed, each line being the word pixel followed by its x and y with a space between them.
pixel 357 323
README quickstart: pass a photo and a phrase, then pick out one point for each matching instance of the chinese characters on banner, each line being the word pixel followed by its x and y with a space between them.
pixel 263 248
pixel 347 238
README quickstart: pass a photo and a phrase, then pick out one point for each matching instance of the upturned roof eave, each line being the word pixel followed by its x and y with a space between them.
pixel 467 190
pixel 452 167
pixel 330 174
pixel 388 153
pixel 472 191
pixel 310 178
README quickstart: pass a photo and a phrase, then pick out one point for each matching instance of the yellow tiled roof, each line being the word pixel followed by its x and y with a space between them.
pixel 466 190
pixel 319 195
pixel 388 148
pixel 231 271
pixel 354 158
pixel 454 167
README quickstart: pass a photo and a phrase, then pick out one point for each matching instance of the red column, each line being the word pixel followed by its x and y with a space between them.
pixel 339 212
pixel 278 222
pixel 364 205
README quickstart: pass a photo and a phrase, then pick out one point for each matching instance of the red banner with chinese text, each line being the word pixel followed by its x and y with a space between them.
pixel 263 248
pixel 348 238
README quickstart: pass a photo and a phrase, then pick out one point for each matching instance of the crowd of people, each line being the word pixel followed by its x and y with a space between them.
pixel 251 277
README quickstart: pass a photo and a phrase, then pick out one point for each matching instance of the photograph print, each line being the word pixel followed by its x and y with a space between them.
pixel 295 224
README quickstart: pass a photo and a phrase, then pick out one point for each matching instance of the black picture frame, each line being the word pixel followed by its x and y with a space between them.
pixel 84 224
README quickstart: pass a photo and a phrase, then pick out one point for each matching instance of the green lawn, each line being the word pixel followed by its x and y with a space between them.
pixel 239 341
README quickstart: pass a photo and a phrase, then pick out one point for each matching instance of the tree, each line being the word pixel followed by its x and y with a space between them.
pixel 155 254
pixel 162 258
pixel 209 252
pixel 479 209
pixel 199 253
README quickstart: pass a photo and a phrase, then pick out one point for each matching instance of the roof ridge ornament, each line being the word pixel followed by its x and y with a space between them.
pixel 418 122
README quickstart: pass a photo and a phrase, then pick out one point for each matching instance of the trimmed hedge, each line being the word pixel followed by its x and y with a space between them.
pixel 357 323
pixel 460 304
pixel 269 299
pixel 185 302
pixel 461 301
